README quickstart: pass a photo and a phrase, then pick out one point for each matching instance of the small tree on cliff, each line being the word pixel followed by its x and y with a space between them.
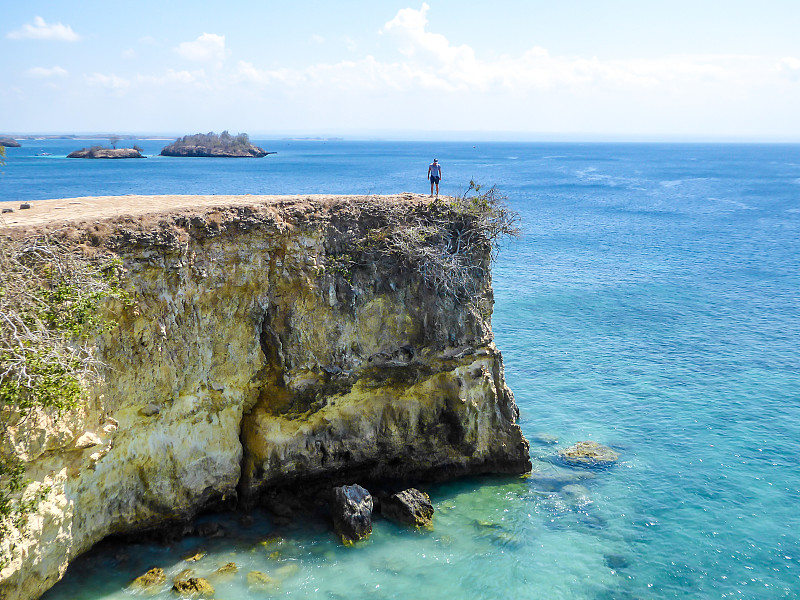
pixel 50 308
pixel 450 243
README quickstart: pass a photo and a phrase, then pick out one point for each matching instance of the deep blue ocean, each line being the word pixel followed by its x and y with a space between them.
pixel 651 304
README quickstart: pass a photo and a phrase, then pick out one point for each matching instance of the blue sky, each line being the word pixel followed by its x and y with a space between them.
pixel 526 69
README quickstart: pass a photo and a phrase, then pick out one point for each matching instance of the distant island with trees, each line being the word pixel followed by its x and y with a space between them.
pixel 103 152
pixel 8 142
pixel 222 145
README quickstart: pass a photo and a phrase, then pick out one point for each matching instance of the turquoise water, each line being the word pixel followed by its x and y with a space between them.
pixel 652 304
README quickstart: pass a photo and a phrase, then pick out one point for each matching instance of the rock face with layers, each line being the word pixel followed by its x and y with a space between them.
pixel 254 358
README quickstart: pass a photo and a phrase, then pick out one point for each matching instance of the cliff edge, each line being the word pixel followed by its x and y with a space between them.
pixel 270 344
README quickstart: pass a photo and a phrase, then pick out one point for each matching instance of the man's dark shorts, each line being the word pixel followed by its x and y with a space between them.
pixel 434 179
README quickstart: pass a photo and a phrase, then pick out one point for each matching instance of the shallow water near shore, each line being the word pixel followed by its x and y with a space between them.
pixel 651 304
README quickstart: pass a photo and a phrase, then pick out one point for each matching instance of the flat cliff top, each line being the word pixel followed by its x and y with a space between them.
pixel 51 214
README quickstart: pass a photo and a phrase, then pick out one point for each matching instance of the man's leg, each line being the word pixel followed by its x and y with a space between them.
pixel 432 186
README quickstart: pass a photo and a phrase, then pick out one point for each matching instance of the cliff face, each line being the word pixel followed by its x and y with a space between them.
pixel 252 360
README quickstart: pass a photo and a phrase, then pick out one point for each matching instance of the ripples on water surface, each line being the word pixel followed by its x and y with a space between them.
pixel 652 304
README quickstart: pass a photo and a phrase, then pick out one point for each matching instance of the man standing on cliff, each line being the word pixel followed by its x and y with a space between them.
pixel 435 175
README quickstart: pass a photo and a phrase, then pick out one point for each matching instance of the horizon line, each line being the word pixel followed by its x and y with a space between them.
pixel 444 136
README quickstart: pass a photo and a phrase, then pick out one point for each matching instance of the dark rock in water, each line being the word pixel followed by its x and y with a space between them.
pixel 588 454
pixel 194 586
pixel 409 507
pixel 616 561
pixel 9 142
pixel 8 210
pixel 24 206
pixel 153 577
pixel 352 513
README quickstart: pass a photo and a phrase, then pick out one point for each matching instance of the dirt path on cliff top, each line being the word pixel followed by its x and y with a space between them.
pixel 51 213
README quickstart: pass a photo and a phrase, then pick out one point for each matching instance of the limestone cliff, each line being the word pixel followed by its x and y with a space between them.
pixel 254 359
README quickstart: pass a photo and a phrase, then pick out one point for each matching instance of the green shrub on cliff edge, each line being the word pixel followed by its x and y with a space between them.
pixel 50 308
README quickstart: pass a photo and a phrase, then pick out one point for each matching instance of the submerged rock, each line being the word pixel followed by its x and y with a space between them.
pixel 544 438
pixel 195 557
pixel 194 586
pixel 616 561
pixel 588 454
pixel 575 492
pixel 183 575
pixel 352 513
pixel 259 580
pixel 153 577
pixel 409 507
pixel 554 482
pixel 226 571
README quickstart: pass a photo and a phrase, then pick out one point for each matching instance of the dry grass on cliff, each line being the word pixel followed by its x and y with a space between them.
pixel 450 242
pixel 50 299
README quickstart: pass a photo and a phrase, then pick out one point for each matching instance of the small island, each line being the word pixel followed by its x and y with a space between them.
pixel 102 152
pixel 8 142
pixel 211 144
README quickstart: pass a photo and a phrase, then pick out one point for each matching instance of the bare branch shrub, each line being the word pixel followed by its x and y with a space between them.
pixel 50 308
pixel 450 242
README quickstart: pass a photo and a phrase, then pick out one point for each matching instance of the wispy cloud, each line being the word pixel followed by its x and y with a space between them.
pixel 110 81
pixel 40 30
pixel 171 76
pixel 44 72
pixel 208 47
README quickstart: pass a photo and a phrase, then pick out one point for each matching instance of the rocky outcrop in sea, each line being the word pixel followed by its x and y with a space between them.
pixel 99 152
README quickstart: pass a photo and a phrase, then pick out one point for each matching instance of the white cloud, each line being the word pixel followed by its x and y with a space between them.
pixel 171 76
pixel 43 72
pixel 129 53
pixel 209 47
pixel 788 67
pixel 317 39
pixel 40 30
pixel 110 81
